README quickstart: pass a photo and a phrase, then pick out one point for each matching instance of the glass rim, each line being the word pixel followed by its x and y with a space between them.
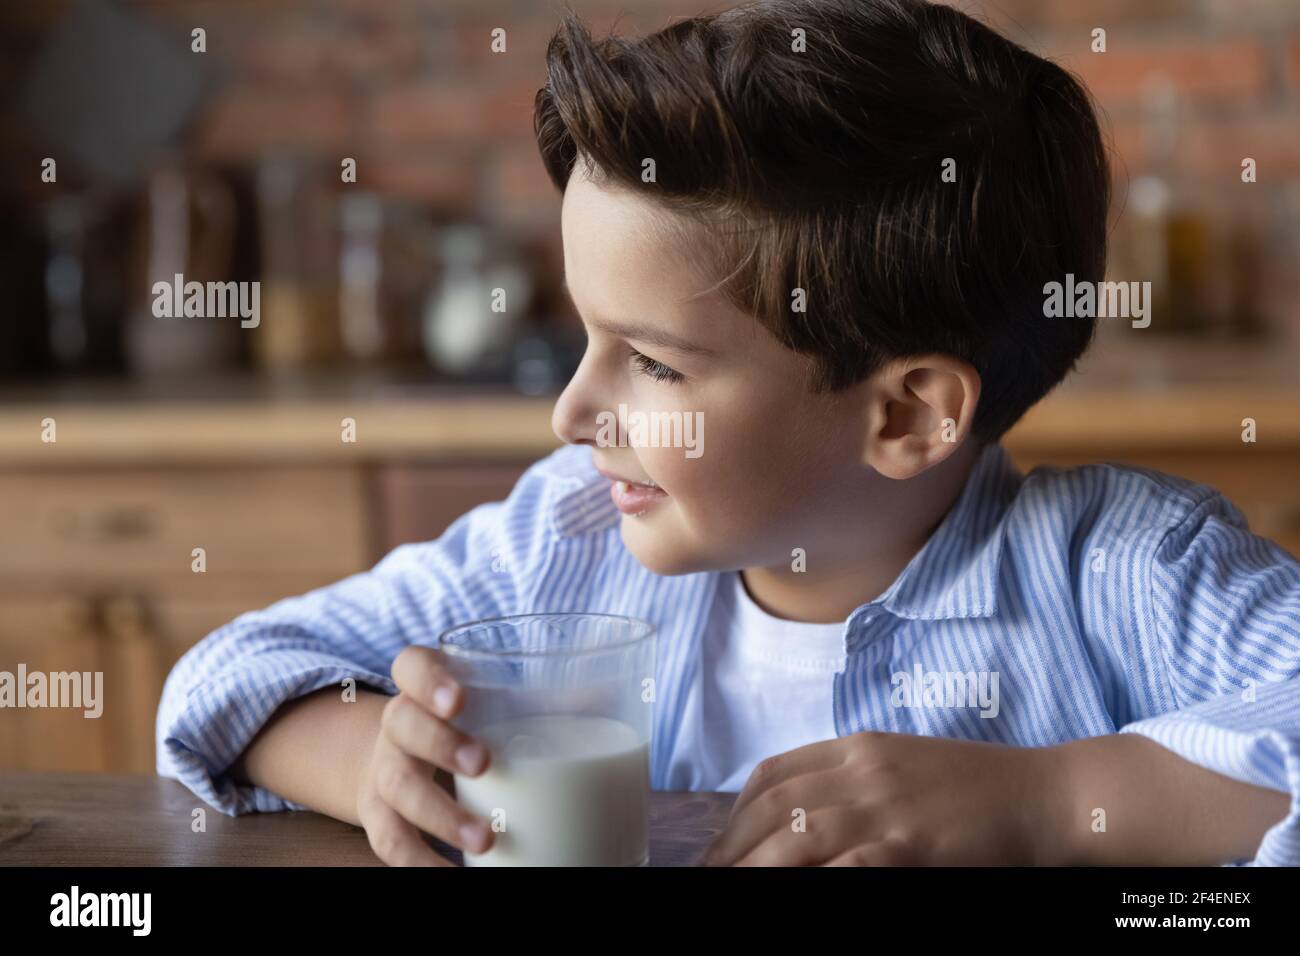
pixel 456 650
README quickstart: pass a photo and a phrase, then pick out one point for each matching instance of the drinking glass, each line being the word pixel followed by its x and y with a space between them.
pixel 562 701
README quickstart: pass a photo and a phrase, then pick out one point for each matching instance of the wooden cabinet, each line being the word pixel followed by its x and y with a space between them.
pixel 417 501
pixel 97 574
pixel 135 523
pixel 98 578
pixel 52 634
pixel 130 639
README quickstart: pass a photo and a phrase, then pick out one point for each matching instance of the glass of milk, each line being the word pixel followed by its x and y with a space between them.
pixel 562 702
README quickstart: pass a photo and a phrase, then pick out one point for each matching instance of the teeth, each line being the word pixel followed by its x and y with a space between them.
pixel 624 485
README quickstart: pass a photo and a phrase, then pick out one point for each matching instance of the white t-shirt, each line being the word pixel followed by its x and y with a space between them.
pixel 765 685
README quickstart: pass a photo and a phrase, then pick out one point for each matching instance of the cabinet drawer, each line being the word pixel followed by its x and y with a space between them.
pixel 133 641
pixel 421 500
pixel 51 636
pixel 112 524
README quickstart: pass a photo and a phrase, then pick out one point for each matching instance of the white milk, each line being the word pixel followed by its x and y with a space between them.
pixel 574 791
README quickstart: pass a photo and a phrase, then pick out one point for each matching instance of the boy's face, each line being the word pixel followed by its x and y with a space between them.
pixel 778 467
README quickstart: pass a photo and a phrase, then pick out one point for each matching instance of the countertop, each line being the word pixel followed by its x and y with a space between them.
pixel 1130 391
pixel 92 819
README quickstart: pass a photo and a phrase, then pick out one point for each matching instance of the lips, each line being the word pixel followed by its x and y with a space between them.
pixel 632 497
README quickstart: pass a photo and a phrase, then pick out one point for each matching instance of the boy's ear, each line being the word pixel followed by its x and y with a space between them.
pixel 920 410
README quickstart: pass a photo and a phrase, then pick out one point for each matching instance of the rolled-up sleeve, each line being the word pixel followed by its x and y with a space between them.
pixel 228 685
pixel 1225 605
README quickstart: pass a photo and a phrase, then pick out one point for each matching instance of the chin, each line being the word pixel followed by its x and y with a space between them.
pixel 658 553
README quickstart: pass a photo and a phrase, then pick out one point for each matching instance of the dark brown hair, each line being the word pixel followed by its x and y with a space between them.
pixel 821 170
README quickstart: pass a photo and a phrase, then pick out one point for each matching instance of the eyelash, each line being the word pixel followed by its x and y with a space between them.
pixel 655 369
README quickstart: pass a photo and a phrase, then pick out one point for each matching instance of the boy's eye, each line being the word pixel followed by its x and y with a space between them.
pixel 655 369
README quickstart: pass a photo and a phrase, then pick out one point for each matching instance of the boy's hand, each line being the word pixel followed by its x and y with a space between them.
pixel 875 798
pixel 398 796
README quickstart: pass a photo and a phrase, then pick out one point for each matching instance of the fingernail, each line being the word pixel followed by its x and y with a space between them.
pixel 469 756
pixel 443 698
pixel 473 835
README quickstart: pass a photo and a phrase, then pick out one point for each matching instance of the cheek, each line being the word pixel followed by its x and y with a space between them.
pixel 717 491
pixel 758 460
pixel 767 483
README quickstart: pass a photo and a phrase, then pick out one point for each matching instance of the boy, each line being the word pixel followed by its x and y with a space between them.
pixel 824 229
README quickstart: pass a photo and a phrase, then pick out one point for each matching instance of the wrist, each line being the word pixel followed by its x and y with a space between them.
pixel 1103 793
pixel 1125 800
pixel 371 715
pixel 1059 825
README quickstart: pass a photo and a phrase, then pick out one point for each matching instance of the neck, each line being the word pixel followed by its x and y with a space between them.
pixel 897 518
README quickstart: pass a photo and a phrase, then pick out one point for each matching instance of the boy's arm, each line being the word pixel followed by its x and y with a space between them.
pixel 313 749
pixel 335 639
pixel 1178 814
pixel 235 682
pixel 1224 605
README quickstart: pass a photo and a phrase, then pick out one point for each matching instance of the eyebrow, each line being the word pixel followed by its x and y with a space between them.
pixel 640 332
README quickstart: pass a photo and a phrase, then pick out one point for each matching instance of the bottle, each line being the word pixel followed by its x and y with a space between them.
pixel 360 271
pixel 1173 246
pixel 471 316
pixel 299 293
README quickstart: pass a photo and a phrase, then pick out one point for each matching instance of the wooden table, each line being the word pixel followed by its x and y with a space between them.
pixel 90 819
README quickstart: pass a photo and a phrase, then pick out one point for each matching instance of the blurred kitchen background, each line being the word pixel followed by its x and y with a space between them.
pixel 227 165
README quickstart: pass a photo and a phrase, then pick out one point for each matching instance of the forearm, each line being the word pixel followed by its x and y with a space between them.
pixel 313 750
pixel 1159 808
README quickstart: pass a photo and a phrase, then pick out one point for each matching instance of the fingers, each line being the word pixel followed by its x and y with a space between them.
pixel 408 781
pixel 772 813
pixel 417 732
pixel 421 673
pixel 394 840
pixel 824 835
pixel 882 853
pixel 406 784
pixel 821 755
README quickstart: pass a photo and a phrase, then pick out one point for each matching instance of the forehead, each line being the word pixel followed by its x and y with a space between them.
pixel 626 262
pixel 610 221
pixel 621 252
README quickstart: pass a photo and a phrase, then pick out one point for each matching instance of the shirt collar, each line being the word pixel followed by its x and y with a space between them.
pixel 954 575
pixel 583 504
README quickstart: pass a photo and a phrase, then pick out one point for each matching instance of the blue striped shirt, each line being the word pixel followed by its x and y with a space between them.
pixel 1105 599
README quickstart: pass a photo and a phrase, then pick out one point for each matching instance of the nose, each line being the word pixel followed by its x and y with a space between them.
pixel 574 417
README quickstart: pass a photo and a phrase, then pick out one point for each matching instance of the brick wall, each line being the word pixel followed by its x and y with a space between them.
pixel 1235 68
pixel 410 89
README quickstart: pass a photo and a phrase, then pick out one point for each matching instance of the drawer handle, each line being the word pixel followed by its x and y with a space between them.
pixel 114 524
pixel 80 614
pixel 127 616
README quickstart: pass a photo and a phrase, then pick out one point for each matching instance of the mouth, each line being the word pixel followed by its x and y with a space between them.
pixel 633 497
